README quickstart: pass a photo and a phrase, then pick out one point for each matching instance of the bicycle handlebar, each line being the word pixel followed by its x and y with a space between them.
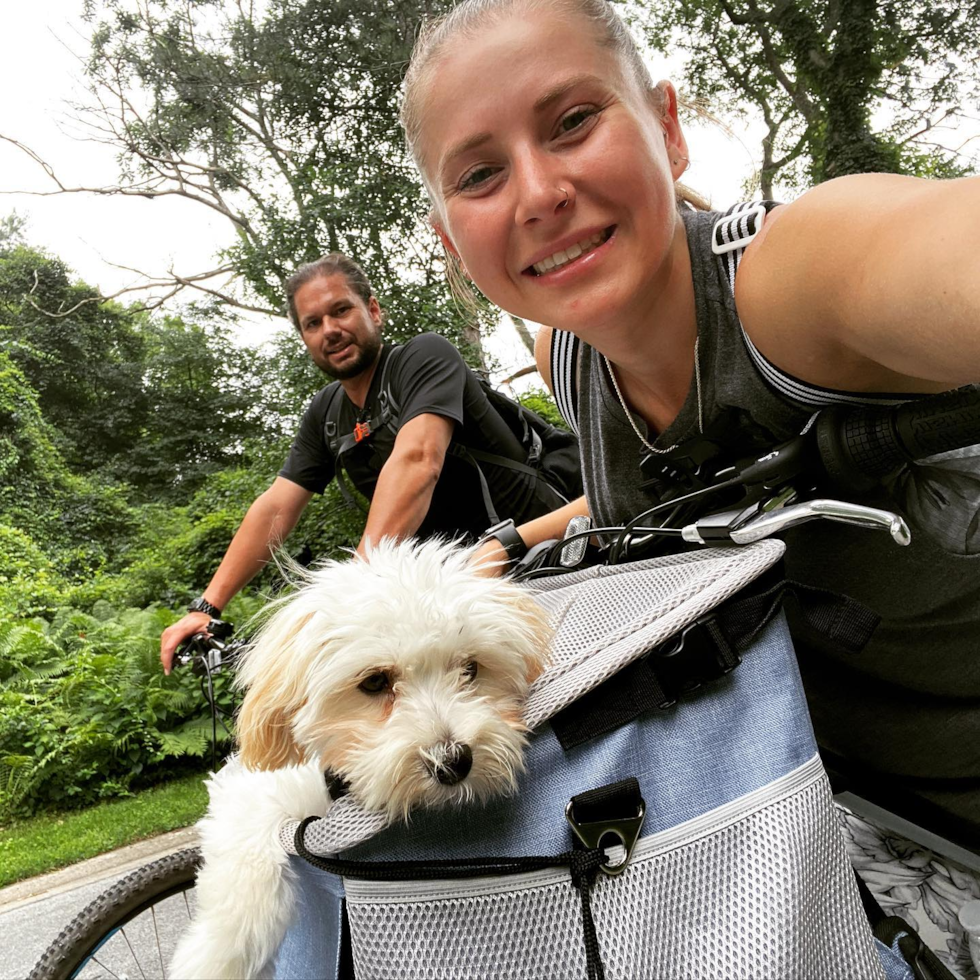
pixel 854 448
pixel 210 651
pixel 860 446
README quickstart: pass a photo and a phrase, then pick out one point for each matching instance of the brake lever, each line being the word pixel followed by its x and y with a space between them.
pixel 191 649
pixel 770 522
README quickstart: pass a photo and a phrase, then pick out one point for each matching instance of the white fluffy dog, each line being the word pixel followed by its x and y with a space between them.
pixel 404 675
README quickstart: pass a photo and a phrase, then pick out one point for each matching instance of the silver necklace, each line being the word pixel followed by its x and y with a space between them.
pixel 629 414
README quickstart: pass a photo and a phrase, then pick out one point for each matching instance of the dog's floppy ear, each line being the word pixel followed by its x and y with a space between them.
pixel 272 670
pixel 265 731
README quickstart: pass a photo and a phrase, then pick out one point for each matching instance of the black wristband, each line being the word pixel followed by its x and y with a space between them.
pixel 506 533
pixel 202 605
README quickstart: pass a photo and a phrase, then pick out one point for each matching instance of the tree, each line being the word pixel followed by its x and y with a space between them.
pixel 155 402
pixel 204 400
pixel 86 366
pixel 843 87
pixel 284 122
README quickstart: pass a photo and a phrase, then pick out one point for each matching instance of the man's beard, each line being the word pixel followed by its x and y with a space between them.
pixel 366 356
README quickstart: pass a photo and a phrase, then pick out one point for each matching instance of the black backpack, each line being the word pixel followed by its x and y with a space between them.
pixel 552 453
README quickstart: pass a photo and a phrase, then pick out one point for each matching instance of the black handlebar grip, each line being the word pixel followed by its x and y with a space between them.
pixel 939 423
pixel 859 446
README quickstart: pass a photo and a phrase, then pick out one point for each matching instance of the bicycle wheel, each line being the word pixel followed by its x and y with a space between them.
pixel 131 929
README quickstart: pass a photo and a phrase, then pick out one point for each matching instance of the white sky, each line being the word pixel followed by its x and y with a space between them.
pixel 39 72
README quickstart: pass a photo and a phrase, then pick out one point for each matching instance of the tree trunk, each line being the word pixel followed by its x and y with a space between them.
pixel 850 147
pixel 521 327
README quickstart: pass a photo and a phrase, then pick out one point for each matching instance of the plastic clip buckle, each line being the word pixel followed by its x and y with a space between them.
pixel 625 829
pixel 361 431
pixel 692 660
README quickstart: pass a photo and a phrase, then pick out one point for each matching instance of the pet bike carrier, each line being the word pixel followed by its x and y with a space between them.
pixel 674 819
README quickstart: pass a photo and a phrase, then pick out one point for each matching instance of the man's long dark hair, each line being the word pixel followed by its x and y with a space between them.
pixel 328 265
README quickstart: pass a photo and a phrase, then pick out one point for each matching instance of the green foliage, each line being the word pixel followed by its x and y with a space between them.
pixel 302 158
pixel 203 397
pixel 866 85
pixel 85 711
pixel 539 400
pixel 83 359
pixel 155 403
pixel 44 508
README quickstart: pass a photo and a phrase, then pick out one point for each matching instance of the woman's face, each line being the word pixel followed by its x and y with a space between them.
pixel 554 173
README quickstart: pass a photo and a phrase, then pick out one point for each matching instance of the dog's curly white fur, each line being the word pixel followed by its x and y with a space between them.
pixel 405 674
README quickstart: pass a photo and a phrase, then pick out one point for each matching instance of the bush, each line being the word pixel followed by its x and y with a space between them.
pixel 85 711
pixel 540 401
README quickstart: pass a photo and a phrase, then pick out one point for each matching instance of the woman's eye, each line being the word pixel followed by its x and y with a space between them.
pixel 376 683
pixel 470 669
pixel 476 178
pixel 575 120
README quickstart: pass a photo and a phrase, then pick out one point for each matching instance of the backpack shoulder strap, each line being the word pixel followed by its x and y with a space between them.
pixel 386 413
pixel 331 419
pixel 565 348
pixel 335 444
pixel 388 404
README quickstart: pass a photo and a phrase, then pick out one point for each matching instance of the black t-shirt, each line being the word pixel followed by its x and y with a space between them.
pixel 426 376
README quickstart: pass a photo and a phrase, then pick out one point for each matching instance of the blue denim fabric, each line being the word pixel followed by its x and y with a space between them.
pixel 311 948
pixel 735 736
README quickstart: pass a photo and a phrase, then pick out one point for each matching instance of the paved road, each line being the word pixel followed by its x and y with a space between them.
pixel 33 912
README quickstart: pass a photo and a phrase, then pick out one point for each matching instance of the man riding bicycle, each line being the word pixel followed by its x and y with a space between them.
pixel 415 430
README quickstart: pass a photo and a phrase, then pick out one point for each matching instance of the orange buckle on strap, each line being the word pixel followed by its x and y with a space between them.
pixel 361 431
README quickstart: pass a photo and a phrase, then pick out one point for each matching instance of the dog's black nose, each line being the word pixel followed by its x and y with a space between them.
pixel 456 764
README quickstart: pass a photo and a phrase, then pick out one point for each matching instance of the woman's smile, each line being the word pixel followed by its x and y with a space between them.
pixel 570 257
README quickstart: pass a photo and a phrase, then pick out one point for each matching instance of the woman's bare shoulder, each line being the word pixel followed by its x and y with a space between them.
pixel 817 287
pixel 542 354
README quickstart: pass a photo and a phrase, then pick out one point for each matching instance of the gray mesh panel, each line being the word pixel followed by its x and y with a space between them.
pixel 766 895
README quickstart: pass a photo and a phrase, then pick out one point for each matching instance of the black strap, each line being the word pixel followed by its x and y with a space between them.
pixel 921 960
pixel 473 456
pixel 352 501
pixel 386 414
pixel 704 651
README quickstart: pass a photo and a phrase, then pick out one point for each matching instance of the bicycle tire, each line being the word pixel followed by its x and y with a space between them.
pixel 81 940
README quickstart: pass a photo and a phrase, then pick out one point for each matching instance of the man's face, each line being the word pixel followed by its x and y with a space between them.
pixel 341 331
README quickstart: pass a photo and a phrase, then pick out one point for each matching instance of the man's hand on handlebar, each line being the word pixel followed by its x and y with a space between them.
pixel 181 631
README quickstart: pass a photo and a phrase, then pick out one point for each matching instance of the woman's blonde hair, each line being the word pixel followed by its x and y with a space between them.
pixel 465 21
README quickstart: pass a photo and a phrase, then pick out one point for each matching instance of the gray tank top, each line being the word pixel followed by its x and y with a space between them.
pixel 908 704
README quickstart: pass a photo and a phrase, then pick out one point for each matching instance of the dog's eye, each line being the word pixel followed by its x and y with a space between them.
pixel 470 669
pixel 376 683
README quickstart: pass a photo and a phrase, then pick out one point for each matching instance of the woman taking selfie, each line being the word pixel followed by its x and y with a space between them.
pixel 553 162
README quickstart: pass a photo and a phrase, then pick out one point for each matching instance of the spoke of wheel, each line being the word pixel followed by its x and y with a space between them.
pixel 98 962
pixel 187 904
pixel 133 951
pixel 156 934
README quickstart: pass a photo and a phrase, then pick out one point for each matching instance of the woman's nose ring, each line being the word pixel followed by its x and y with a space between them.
pixel 564 203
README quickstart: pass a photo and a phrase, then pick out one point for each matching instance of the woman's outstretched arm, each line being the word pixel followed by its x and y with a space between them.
pixel 869 282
